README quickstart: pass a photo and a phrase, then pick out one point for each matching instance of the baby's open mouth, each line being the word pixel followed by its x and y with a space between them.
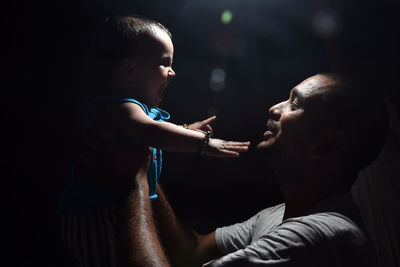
pixel 163 87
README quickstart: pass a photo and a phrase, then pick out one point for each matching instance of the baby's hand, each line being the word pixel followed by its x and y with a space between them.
pixel 203 126
pixel 225 149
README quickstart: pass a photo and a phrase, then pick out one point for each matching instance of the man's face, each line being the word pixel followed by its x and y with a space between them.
pixel 291 125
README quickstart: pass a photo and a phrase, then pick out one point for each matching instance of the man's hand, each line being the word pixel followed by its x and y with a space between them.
pixel 144 163
pixel 203 126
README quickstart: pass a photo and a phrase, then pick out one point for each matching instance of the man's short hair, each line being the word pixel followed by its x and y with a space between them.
pixel 356 107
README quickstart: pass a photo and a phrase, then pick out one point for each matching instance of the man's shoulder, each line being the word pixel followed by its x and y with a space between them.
pixel 278 209
pixel 335 220
pixel 338 213
pixel 325 235
pixel 268 218
pixel 325 225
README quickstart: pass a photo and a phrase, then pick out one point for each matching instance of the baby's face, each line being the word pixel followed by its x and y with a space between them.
pixel 154 67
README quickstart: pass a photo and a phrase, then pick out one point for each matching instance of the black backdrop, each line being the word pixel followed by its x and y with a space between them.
pixel 267 48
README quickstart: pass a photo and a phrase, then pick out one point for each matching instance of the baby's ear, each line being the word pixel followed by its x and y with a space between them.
pixel 127 68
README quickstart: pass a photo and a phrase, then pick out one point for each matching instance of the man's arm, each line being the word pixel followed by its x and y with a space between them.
pixel 139 234
pixel 184 246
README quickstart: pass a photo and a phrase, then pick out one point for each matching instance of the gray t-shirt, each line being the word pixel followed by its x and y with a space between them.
pixel 331 234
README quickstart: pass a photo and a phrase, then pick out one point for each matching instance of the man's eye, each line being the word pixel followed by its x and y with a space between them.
pixel 293 105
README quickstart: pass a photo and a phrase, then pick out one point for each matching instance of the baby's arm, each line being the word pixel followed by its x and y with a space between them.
pixel 133 121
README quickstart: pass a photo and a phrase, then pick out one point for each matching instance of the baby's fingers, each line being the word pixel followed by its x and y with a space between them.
pixel 225 153
pixel 237 146
pixel 234 143
pixel 209 120
pixel 205 124
pixel 208 128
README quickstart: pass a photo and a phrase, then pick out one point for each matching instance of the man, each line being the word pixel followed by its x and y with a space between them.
pixel 316 141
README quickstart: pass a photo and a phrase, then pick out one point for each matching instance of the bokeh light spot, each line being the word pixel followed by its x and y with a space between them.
pixel 217 79
pixel 327 24
pixel 226 17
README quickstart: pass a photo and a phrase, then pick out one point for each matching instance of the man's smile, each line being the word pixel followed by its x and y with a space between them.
pixel 272 127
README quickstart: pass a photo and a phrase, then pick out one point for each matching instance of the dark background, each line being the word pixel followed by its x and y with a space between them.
pixel 267 48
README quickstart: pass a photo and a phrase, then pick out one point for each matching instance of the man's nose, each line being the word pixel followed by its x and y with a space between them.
pixel 275 112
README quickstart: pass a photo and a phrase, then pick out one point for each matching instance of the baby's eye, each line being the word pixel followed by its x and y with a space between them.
pixel 165 63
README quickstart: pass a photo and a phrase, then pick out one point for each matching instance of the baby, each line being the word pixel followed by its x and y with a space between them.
pixel 137 55
pixel 120 123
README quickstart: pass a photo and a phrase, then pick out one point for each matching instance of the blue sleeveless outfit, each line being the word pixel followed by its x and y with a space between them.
pixel 154 172
pixel 83 194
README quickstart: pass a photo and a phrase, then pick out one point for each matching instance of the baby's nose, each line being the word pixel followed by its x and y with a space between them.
pixel 171 73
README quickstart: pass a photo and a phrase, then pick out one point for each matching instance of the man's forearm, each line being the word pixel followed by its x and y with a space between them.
pixel 142 243
pixel 183 245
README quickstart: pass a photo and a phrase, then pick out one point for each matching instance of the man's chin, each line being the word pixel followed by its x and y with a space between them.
pixel 265 145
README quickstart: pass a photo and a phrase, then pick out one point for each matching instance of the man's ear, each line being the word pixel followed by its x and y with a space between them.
pixel 127 68
pixel 329 143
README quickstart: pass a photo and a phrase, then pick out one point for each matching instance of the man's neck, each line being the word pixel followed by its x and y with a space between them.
pixel 301 199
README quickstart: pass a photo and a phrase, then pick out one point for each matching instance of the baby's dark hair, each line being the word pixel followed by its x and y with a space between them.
pixel 120 35
pixel 111 40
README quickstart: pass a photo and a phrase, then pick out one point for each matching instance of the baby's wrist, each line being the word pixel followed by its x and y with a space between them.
pixel 203 144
